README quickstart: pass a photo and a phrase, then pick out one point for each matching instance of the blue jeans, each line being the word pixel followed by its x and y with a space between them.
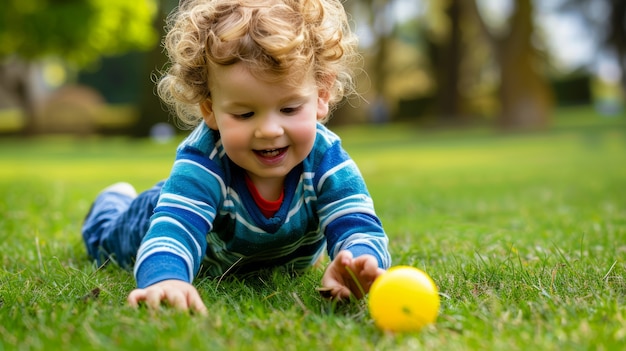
pixel 116 223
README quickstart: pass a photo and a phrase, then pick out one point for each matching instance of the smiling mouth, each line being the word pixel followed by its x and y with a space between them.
pixel 270 153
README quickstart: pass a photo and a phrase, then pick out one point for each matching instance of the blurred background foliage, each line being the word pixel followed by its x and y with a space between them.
pixel 78 31
pixel 88 66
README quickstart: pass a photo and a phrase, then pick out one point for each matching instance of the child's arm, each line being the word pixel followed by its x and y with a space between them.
pixel 176 293
pixel 175 244
pixel 346 275
pixel 355 238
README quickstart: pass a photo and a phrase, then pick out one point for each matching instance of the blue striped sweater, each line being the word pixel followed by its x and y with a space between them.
pixel 207 217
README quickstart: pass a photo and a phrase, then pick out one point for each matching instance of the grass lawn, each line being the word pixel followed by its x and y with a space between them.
pixel 525 235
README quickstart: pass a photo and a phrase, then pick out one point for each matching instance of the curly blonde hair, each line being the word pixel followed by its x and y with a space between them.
pixel 277 40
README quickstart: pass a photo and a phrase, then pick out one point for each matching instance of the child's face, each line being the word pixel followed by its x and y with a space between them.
pixel 266 128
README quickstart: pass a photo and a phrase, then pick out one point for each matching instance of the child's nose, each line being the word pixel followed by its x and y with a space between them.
pixel 269 127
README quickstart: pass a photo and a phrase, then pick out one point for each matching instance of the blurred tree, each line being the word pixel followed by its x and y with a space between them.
pixel 449 97
pixel 77 31
pixel 372 19
pixel 446 55
pixel 524 93
pixel 380 22
pixel 616 36
pixel 151 110
pixel 391 58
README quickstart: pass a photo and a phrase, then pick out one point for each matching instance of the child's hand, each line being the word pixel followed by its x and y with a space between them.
pixel 176 293
pixel 342 283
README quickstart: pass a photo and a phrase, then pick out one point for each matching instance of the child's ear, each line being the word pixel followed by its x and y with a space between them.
pixel 206 107
pixel 323 99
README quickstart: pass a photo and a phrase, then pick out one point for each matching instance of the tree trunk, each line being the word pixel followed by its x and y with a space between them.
pixel 524 92
pixel 379 68
pixel 448 69
pixel 526 99
pixel 617 34
pixel 151 109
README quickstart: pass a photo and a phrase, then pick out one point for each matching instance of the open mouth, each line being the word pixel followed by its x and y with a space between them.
pixel 270 153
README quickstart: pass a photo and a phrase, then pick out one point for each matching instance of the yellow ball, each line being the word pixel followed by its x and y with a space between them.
pixel 403 299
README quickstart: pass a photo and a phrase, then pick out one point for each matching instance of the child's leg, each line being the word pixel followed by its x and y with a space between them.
pixel 117 222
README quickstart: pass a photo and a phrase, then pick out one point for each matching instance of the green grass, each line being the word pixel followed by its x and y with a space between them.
pixel 525 235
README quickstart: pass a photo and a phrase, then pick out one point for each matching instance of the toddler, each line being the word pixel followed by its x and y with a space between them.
pixel 260 182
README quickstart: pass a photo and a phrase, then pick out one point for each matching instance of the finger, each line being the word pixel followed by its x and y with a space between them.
pixel 365 269
pixel 333 286
pixel 371 264
pixel 340 292
pixel 197 305
pixel 177 300
pixel 154 297
pixel 366 263
pixel 370 268
pixel 371 272
pixel 343 258
pixel 135 297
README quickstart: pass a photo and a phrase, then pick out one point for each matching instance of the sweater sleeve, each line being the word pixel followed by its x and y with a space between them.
pixel 176 240
pixel 346 210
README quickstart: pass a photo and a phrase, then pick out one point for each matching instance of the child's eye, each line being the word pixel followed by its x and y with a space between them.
pixel 290 110
pixel 245 115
